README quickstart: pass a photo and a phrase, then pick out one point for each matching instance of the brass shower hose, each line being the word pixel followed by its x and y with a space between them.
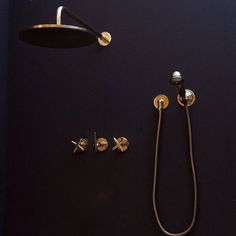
pixel 193 175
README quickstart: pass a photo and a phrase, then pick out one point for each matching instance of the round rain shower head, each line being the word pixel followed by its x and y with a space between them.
pixel 58 36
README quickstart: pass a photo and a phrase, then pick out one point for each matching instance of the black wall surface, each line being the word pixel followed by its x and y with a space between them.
pixel 3 84
pixel 59 95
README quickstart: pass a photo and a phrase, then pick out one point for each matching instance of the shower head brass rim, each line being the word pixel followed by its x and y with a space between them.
pixel 161 101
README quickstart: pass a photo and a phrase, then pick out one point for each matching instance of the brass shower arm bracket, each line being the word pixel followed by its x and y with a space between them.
pixel 104 38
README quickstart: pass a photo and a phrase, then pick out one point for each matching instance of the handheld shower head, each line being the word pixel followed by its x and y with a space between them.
pixel 178 81
pixel 176 78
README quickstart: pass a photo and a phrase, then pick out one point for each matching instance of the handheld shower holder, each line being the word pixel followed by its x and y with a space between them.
pixel 189 97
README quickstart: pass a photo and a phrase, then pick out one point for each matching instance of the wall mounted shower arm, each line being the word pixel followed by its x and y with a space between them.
pixel 72 15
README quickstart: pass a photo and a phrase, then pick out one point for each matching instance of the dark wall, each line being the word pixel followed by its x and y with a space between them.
pixel 58 95
pixel 3 83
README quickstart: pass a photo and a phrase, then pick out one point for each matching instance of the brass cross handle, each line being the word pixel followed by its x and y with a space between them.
pixel 122 144
pixel 80 145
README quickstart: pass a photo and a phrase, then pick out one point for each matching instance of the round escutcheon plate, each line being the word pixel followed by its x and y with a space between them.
pixel 161 98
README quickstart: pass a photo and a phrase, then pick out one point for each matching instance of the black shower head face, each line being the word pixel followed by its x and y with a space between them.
pixel 58 36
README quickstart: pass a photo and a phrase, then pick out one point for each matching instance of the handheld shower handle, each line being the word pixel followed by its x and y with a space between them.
pixel 181 92
pixel 178 81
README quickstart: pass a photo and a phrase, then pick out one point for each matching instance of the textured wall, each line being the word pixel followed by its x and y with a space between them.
pixel 57 95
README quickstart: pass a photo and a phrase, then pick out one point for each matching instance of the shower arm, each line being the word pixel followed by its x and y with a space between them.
pixel 69 13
